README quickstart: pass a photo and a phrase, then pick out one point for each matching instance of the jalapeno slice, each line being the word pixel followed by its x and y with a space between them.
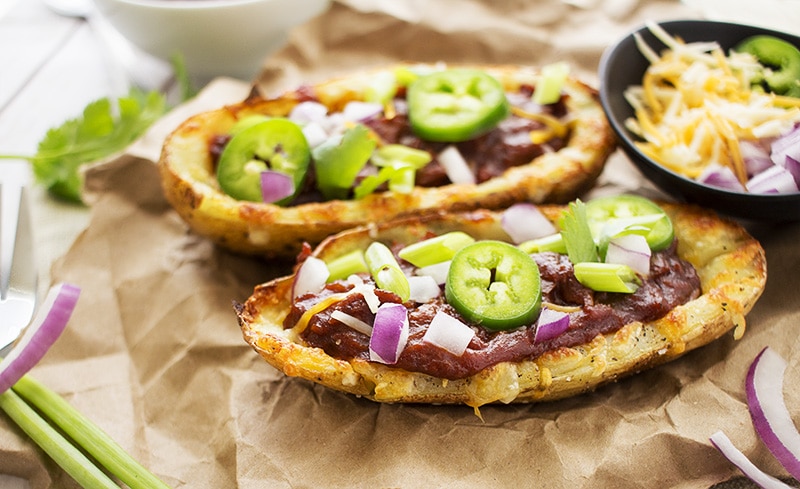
pixel 620 214
pixel 455 105
pixel 494 284
pixel 276 144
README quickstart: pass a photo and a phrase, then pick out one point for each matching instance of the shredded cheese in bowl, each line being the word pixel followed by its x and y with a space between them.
pixel 695 106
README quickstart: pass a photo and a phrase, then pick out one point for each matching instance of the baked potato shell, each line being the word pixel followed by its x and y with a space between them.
pixel 191 187
pixel 730 263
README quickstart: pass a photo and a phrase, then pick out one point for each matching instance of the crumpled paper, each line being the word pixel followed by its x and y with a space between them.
pixel 154 355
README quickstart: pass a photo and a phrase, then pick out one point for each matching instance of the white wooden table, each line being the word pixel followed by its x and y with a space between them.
pixel 52 66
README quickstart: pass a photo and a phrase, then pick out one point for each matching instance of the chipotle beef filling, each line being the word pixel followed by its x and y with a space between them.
pixel 508 145
pixel 671 282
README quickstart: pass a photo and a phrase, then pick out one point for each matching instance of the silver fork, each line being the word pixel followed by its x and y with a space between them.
pixel 18 276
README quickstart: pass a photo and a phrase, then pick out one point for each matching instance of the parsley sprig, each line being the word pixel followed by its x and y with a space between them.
pixel 105 127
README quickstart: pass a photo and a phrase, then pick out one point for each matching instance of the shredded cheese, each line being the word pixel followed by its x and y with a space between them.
pixel 695 104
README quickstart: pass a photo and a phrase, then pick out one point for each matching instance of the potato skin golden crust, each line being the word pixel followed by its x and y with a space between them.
pixel 732 269
pixel 191 188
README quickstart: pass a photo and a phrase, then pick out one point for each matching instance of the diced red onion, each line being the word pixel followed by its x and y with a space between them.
pixel 550 324
pixel 352 322
pixel 774 180
pixel 755 156
pixel 357 111
pixel 449 333
pixel 793 166
pixel 740 460
pixel 786 145
pixel 771 419
pixel 723 177
pixel 524 222
pixel 455 166
pixel 424 288
pixel 275 186
pixel 310 277
pixel 631 250
pixel 308 111
pixel 389 333
pixel 438 271
pixel 49 322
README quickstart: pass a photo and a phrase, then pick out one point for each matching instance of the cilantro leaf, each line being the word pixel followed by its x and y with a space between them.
pixel 99 132
pixel 577 235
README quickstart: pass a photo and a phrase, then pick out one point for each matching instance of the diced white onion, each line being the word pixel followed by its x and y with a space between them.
pixel 631 250
pixel 424 288
pixel 524 222
pixel 308 111
pixel 352 321
pixel 389 333
pixel 315 134
pixel 448 333
pixel 310 277
pixel 455 166
pixel 437 271
pixel 357 111
pixel 367 291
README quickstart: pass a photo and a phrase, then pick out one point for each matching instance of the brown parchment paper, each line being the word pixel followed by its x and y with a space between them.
pixel 153 353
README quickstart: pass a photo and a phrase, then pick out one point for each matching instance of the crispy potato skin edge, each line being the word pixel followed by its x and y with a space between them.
pixel 731 264
pixel 190 186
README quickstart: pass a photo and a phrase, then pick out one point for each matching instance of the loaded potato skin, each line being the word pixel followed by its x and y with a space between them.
pixel 187 167
pixel 730 266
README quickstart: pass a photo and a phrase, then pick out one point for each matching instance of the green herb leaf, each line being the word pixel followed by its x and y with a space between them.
pixel 97 134
pixel 577 234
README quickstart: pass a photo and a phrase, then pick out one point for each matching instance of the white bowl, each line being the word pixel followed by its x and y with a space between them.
pixel 214 37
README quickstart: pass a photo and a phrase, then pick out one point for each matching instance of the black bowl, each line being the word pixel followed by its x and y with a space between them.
pixel 622 65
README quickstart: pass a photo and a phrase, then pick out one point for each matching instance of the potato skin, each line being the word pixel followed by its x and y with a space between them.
pixel 190 184
pixel 730 263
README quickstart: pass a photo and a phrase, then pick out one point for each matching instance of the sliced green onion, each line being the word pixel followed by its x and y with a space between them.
pixel 339 160
pixel 607 277
pixel 68 457
pixel 343 266
pixel 398 154
pixel 435 250
pixel 548 89
pixel 403 180
pixel 382 88
pixel 554 243
pixel 91 438
pixel 386 271
pixel 577 234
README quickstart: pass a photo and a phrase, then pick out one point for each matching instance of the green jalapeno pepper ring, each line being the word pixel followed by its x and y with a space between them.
pixel 494 284
pixel 782 60
pixel 455 105
pixel 277 144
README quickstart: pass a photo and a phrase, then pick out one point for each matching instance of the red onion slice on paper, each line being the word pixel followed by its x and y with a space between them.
pixel 389 333
pixel 46 327
pixel 524 222
pixel 740 460
pixel 771 419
